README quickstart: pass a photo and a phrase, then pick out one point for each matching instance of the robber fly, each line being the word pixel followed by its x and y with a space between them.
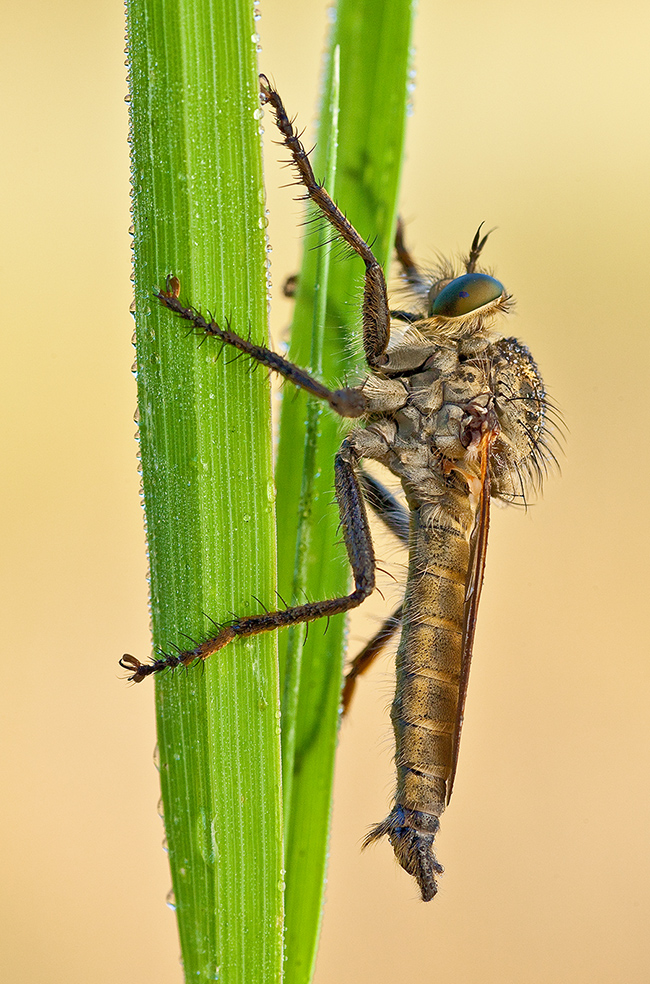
pixel 459 415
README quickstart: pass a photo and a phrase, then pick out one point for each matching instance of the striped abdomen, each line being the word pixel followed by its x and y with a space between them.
pixel 425 707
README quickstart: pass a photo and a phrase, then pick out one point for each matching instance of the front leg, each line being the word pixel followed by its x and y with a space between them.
pixel 358 542
pixel 376 316
pixel 348 402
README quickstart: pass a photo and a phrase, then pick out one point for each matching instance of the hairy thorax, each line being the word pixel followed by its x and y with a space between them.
pixel 425 413
pixel 421 410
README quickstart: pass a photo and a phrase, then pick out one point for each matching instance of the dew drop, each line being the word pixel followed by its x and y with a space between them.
pixel 171 900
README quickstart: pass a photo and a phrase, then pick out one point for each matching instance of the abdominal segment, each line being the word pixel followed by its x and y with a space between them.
pixel 424 711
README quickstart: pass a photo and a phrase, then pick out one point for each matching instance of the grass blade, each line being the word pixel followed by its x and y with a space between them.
pixel 206 469
pixel 374 39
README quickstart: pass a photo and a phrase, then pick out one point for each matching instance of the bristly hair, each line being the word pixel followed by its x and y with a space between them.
pixel 520 463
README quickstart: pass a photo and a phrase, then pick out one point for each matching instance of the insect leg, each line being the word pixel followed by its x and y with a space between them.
pixel 356 534
pixel 290 287
pixel 364 660
pixel 348 402
pixel 376 317
pixel 391 512
pixel 411 274
pixel 409 316
pixel 409 267
pixel 386 507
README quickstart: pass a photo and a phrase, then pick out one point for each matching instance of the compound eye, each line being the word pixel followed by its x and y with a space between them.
pixel 466 294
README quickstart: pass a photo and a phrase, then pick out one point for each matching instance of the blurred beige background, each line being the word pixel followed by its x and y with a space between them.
pixel 533 117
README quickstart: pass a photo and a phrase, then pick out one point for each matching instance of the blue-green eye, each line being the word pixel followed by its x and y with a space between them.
pixel 466 294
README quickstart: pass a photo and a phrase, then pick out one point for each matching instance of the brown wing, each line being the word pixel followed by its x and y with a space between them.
pixel 478 551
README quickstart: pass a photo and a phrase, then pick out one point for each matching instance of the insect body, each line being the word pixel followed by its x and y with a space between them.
pixel 459 415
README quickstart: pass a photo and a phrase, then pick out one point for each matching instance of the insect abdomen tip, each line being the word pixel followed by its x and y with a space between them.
pixel 411 834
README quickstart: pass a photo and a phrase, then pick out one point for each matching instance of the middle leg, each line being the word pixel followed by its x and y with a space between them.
pixel 391 512
pixel 358 542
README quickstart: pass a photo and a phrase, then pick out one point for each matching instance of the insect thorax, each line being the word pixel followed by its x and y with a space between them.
pixel 423 409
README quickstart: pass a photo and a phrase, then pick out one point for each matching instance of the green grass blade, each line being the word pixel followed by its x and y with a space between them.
pixel 297 635
pixel 206 469
pixel 374 39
